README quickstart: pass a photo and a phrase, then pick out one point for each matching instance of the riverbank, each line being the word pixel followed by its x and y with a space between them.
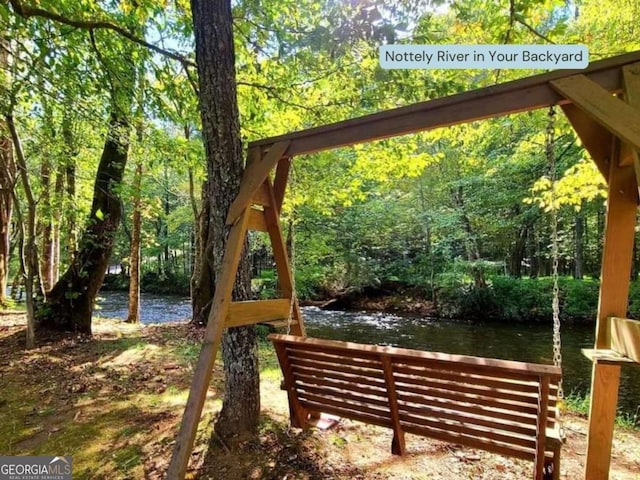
pixel 501 299
pixel 114 402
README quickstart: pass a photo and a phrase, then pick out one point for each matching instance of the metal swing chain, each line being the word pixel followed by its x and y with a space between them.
pixel 551 157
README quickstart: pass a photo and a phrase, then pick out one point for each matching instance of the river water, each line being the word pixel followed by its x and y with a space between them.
pixel 528 343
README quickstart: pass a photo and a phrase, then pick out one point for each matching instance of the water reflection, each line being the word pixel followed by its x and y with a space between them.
pixel 527 343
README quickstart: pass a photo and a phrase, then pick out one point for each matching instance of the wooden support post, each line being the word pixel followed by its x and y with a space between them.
pixel 618 248
pixel 398 443
pixel 605 381
pixel 204 369
pixel 614 296
pixel 285 279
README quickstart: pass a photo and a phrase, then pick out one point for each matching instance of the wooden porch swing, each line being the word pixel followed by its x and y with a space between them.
pixel 513 400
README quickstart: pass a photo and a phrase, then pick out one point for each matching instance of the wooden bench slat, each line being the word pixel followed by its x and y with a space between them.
pixel 357 371
pixel 463 387
pixel 528 386
pixel 482 418
pixel 333 393
pixel 473 409
pixel 346 413
pixel 332 349
pixel 335 375
pixel 333 402
pixel 474 430
pixel 470 441
pixel 340 384
pixel 421 387
pixel 335 359
pixel 499 374
pixel 470 399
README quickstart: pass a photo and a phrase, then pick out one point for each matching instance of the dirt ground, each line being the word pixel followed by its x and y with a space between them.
pixel 114 403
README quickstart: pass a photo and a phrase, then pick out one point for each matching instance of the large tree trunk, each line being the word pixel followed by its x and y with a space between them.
pixel 70 303
pixel 221 134
pixel 136 230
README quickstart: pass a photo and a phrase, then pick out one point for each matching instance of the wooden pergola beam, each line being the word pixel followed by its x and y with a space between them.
pixel 512 97
pixel 595 138
pixel 618 117
pixel 631 83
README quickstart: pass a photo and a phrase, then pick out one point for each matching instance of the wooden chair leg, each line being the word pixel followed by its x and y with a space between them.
pixel 556 464
pixel 552 466
pixel 397 444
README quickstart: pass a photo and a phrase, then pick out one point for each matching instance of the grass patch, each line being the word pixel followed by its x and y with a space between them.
pixel 578 403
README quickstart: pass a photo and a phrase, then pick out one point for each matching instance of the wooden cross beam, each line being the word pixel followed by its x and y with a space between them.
pixel 254 176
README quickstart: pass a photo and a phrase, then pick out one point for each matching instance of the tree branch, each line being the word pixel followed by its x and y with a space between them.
pixel 534 31
pixel 27 11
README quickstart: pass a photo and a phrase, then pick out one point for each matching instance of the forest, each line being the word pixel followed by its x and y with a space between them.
pixel 431 213
pixel 124 127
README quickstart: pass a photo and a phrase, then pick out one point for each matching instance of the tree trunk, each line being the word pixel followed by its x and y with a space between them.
pixel 57 218
pixel 136 230
pixel 46 227
pixel 221 134
pixel 165 224
pixel 471 242
pixel 70 303
pixel 7 178
pixel 29 248
pixel 71 153
pixel 518 252
pixel 195 240
pixel 579 246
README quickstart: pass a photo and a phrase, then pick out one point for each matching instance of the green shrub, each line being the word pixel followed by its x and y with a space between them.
pixel 521 300
pixel 580 299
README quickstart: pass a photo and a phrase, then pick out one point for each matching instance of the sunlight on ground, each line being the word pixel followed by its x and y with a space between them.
pixel 138 353
pixel 115 402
